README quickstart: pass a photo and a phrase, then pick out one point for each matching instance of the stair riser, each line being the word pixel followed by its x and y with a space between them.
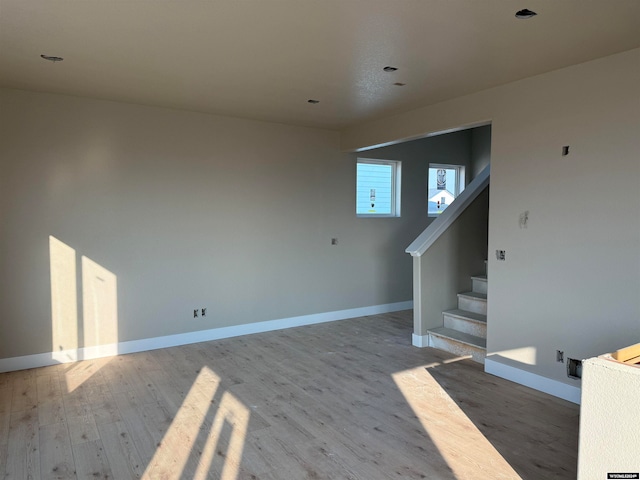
pixel 457 348
pixel 479 286
pixel 472 305
pixel 479 329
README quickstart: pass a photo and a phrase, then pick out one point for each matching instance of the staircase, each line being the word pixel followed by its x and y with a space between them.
pixel 465 328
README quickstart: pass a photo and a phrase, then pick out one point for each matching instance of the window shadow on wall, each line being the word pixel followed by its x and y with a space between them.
pixel 84 314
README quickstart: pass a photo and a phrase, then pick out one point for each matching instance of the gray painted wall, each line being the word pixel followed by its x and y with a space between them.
pixel 453 148
pixel 480 149
pixel 460 252
pixel 163 211
pixel 470 148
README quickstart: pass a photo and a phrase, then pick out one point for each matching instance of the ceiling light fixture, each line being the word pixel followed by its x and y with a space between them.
pixel 52 58
pixel 311 100
pixel 390 69
pixel 525 14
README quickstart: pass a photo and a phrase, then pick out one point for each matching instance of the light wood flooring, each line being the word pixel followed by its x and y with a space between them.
pixel 350 399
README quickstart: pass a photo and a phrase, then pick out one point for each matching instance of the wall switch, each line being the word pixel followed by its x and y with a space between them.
pixel 501 254
pixel 195 313
pixel 559 356
pixel 203 312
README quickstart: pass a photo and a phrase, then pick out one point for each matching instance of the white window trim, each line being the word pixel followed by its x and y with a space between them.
pixel 395 187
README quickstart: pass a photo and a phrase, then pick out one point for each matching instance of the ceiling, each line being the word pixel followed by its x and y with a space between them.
pixel 264 59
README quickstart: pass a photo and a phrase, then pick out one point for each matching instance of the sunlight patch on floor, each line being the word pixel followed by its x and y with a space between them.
pixel 194 440
pixel 448 360
pixel 234 413
pixel 77 373
pixel 465 449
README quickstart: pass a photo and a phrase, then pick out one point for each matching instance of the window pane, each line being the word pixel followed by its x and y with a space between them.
pixel 443 188
pixel 374 189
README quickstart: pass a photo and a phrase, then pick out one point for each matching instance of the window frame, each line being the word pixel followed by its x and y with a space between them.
pixel 396 186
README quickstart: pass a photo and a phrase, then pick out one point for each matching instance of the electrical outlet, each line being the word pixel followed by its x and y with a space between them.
pixel 203 312
pixel 574 368
pixel 559 356
pixel 334 241
pixel 195 313
pixel 501 254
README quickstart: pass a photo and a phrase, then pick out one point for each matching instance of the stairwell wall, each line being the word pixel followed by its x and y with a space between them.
pixel 454 148
pixel 571 279
pixel 445 268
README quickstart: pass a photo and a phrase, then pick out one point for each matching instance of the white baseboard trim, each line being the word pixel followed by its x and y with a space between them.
pixel 133 346
pixel 419 340
pixel 533 380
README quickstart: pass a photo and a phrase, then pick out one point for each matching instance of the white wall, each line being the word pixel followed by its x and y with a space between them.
pixel 609 419
pixel 160 211
pixel 571 280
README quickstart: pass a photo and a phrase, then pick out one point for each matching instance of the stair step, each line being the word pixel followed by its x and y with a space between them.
pixel 479 283
pixel 458 343
pixel 466 322
pixel 461 337
pixel 475 295
pixel 475 302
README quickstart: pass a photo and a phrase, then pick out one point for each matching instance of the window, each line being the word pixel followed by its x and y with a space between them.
pixel 445 183
pixel 377 188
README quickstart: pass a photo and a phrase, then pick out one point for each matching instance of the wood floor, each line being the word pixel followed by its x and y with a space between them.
pixel 350 399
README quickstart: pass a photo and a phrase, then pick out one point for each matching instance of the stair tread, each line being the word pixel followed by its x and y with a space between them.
pixel 482 278
pixel 460 337
pixel 476 295
pixel 465 314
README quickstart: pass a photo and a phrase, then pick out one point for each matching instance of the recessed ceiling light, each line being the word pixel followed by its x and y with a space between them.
pixel 525 14
pixel 52 58
pixel 390 69
pixel 399 84
pixel 311 100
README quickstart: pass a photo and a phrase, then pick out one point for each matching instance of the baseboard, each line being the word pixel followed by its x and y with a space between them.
pixel 133 346
pixel 420 340
pixel 533 380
